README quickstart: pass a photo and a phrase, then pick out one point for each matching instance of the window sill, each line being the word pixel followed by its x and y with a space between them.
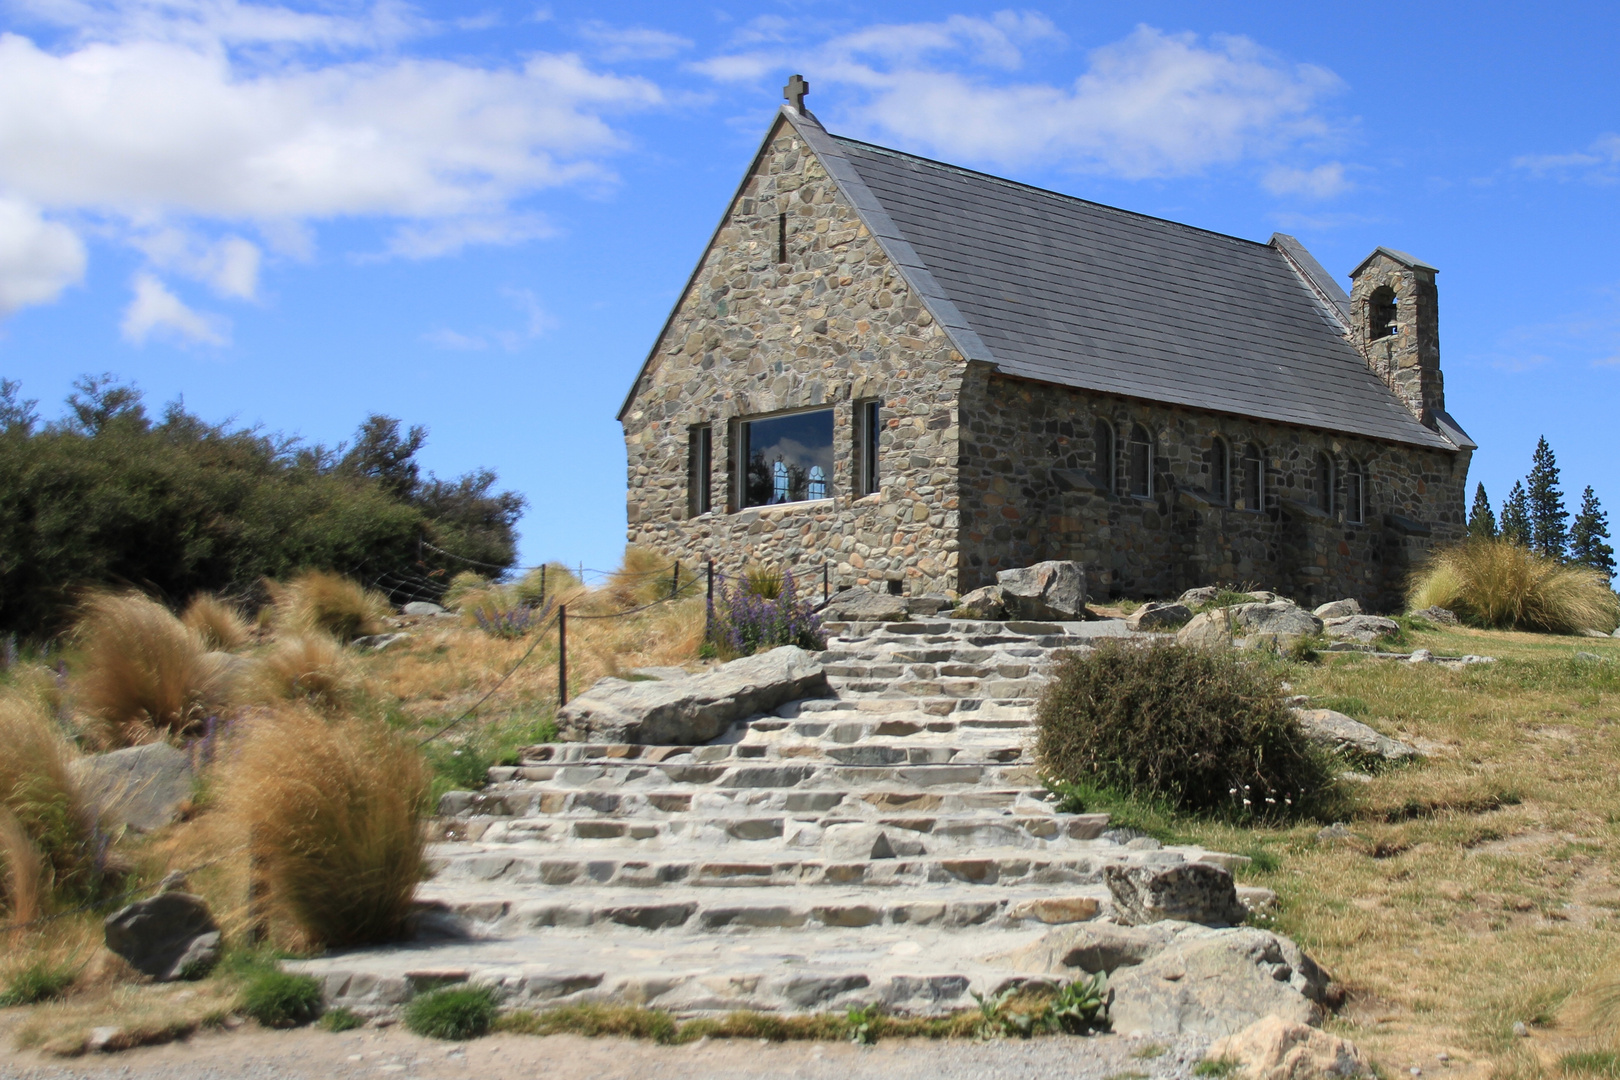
pixel 779 509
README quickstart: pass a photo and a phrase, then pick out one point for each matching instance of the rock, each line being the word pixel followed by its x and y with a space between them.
pixel 1156 616
pixel 855 842
pixel 142 787
pixel 927 605
pixel 1337 609
pixel 378 642
pixel 456 803
pixel 660 674
pixel 1280 617
pixel 1594 633
pixel 1056 909
pixel 1202 595
pixel 1590 658
pixel 864 605
pixel 1092 947
pixel 1437 615
pixel 422 607
pixel 1351 737
pixel 1520 1030
pixel 1047 590
pixel 1616 632
pixel 986 603
pixel 169 936
pixel 1276 1049
pixel 697 708
pixel 1336 831
pixel 1420 656
pixel 1366 629
pixel 103 1040
pixel 1207 630
pixel 1189 892
pixel 1217 983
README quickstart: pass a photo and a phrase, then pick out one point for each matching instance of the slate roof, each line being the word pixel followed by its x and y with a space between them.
pixel 1058 289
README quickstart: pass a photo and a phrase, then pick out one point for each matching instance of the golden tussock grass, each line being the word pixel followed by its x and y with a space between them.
pixel 142 673
pixel 333 810
pixel 309 666
pixel 47 830
pixel 317 601
pixel 219 623
pixel 645 577
pixel 1503 585
pixel 143 1015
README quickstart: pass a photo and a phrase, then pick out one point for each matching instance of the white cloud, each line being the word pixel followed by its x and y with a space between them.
pixel 615 43
pixel 428 240
pixel 38 258
pixel 1599 161
pixel 1322 182
pixel 157 311
pixel 1151 104
pixel 229 265
pixel 536 322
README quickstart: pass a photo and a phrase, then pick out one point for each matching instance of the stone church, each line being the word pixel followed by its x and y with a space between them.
pixel 917 375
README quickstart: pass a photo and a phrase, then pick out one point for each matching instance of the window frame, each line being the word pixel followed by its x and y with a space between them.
pixel 868 433
pixel 1327 484
pixel 1145 443
pixel 1355 498
pixel 742 440
pixel 1255 456
pixel 1105 439
pixel 700 469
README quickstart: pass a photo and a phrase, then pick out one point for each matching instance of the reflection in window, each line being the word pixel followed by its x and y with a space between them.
pixel 787 458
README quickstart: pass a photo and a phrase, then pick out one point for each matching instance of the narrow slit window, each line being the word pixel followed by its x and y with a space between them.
pixel 868 432
pixel 1107 456
pixel 1325 484
pixel 1254 479
pixel 700 457
pixel 781 238
pixel 1220 479
pixel 1355 494
pixel 786 459
pixel 1141 463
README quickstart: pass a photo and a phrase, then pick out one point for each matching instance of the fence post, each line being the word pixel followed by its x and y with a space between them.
pixel 562 656
pixel 675 583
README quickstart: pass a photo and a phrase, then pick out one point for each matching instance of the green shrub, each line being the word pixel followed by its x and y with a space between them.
pixel 1215 1068
pixel 452 1012
pixel 1502 585
pixel 278 999
pixel 340 1019
pixel 1202 730
pixel 39 981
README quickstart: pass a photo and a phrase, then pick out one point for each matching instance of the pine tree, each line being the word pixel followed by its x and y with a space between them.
pixel 1481 521
pixel 1549 521
pixel 1589 536
pixel 1516 516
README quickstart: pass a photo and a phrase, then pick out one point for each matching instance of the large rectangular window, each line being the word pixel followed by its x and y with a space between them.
pixel 868 432
pixel 700 463
pixel 787 458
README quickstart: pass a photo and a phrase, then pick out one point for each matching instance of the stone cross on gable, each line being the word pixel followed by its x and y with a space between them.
pixel 795 90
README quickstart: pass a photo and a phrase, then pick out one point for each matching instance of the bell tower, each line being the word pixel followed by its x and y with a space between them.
pixel 1395 323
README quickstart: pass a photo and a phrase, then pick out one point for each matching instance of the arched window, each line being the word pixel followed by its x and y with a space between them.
pixel 1382 319
pixel 1141 463
pixel 1254 478
pixel 1325 484
pixel 781 482
pixel 817 488
pixel 1107 456
pixel 1220 471
pixel 1355 493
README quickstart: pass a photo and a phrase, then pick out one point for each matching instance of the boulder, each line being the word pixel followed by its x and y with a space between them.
pixel 1351 737
pixel 855 842
pixel 1366 629
pixel 859 604
pixel 1202 595
pixel 1442 616
pixel 1280 617
pixel 1273 1048
pixel 1046 591
pixel 1207 630
pixel 1188 892
pixel 1217 983
pixel 986 603
pixel 927 605
pixel 422 607
pixel 694 709
pixel 142 787
pixel 1337 609
pixel 1092 947
pixel 169 936
pixel 1156 616
pixel 378 642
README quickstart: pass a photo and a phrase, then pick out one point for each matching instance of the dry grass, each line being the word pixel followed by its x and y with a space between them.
pixel 1500 584
pixel 308 666
pixel 47 832
pixel 320 602
pixel 334 812
pixel 143 1015
pixel 645 576
pixel 142 673
pixel 218 622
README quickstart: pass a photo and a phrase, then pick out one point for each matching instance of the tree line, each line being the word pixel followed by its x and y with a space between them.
pixel 108 495
pixel 1534 515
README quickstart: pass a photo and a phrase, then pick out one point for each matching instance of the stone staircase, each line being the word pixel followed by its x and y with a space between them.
pixel 890 843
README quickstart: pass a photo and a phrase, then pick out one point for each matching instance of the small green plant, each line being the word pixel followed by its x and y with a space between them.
pixel 1150 1051
pixel 1305 649
pixel 452 1012
pixel 279 999
pixel 1215 1068
pixel 39 981
pixel 864 1022
pixel 340 1019
pixel 1075 1007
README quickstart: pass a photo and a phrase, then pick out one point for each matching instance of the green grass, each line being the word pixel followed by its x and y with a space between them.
pixel 463 764
pixel 1592 1062
pixel 1216 1068
pixel 278 999
pixel 1152 817
pixel 452 1012
pixel 39 981
pixel 862 1024
pixel 340 1019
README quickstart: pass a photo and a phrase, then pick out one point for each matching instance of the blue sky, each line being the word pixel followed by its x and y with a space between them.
pixel 476 217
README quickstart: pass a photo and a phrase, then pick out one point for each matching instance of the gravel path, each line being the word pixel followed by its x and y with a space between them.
pixel 391 1054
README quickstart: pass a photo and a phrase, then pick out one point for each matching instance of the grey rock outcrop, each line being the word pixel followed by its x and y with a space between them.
pixel 1442 616
pixel 864 605
pixel 696 709
pixel 1279 617
pixel 1201 595
pixel 1047 590
pixel 1188 892
pixel 1366 629
pixel 1156 616
pixel 1207 630
pixel 1351 737
pixel 986 603
pixel 1337 609
pixel 169 936
pixel 1276 1049
pixel 422 607
pixel 378 642
pixel 142 787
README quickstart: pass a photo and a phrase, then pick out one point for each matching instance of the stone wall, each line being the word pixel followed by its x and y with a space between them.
pixel 832 325
pixel 1033 489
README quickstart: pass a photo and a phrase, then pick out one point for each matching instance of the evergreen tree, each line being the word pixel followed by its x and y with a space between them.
pixel 1549 521
pixel 1589 536
pixel 1516 516
pixel 1481 521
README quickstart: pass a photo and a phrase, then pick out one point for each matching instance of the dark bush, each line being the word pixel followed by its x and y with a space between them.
pixel 277 999
pixel 453 1012
pixel 1201 730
